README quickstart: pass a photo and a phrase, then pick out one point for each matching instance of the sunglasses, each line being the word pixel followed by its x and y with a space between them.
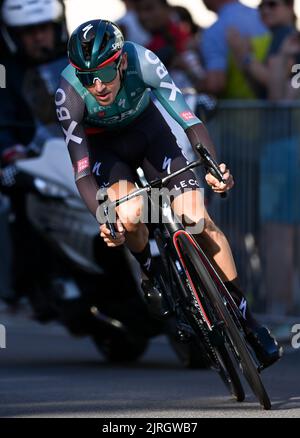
pixel 105 74
pixel 271 4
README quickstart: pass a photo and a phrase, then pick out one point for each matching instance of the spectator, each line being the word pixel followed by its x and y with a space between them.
pixel 187 24
pixel 131 27
pixel 169 40
pixel 284 81
pixel 279 17
pixel 189 61
pixel 224 78
pixel 39 44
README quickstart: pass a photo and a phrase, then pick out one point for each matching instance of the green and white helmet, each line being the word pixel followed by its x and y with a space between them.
pixel 95 44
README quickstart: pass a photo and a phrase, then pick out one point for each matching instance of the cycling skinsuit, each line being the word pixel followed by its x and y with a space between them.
pixel 108 143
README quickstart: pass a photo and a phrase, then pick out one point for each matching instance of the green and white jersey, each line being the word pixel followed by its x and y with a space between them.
pixel 145 73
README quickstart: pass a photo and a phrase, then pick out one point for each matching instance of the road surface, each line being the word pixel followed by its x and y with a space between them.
pixel 46 373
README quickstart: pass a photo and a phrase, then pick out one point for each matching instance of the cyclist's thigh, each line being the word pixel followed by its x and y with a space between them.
pixel 106 165
pixel 117 177
pixel 164 156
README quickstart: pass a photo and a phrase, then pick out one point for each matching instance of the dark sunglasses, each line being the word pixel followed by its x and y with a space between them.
pixel 271 4
pixel 105 74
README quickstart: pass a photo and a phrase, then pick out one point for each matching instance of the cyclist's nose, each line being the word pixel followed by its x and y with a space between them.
pixel 99 85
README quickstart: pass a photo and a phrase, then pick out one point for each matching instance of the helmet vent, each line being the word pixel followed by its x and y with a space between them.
pixel 105 41
pixel 87 50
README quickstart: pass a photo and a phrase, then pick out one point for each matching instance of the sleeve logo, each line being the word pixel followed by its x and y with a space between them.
pixel 187 115
pixel 83 164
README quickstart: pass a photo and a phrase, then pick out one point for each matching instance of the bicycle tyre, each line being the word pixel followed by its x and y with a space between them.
pixel 191 250
pixel 224 365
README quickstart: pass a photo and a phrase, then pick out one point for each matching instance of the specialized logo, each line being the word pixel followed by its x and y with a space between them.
pixel 167 165
pixel 83 164
pixel 122 103
pixel 96 168
pixel 86 30
pixel 187 115
pixel 147 264
pixel 243 307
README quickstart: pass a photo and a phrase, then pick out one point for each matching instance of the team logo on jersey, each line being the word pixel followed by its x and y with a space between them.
pixel 63 114
pixel 101 113
pixel 187 115
pixel 122 103
pixel 174 90
pixel 86 30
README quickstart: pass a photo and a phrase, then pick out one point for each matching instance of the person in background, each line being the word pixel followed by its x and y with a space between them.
pixel 170 41
pixel 35 34
pixel 190 61
pixel 284 82
pixel 269 77
pixel 223 77
pixel 130 25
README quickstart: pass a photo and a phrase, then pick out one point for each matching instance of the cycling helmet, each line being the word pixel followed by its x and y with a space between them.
pixel 94 44
pixel 21 13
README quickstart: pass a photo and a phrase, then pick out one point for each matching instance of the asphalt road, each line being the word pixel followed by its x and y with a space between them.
pixel 46 373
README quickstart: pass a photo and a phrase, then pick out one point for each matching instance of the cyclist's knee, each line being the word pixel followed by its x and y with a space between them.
pixel 130 214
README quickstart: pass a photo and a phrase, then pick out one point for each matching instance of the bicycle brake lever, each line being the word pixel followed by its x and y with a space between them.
pixel 109 224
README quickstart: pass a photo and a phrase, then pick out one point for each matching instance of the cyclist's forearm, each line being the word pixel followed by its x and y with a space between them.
pixel 88 189
pixel 199 134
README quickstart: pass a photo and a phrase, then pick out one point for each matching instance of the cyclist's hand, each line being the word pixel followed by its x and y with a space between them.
pixel 217 186
pixel 120 234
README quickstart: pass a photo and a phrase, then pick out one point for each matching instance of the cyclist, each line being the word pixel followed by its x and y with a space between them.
pixel 112 127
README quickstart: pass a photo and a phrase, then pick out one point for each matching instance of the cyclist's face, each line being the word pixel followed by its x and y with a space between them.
pixel 105 92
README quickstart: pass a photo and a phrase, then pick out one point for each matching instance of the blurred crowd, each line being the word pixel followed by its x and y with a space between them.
pixel 246 53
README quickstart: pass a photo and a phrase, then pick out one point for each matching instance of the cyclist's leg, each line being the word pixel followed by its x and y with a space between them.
pixel 112 169
pixel 189 206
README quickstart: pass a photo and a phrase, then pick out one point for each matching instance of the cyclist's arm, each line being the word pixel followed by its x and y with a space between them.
pixel 156 76
pixel 70 111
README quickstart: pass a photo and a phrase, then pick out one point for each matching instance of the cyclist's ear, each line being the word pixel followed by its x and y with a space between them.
pixel 124 62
